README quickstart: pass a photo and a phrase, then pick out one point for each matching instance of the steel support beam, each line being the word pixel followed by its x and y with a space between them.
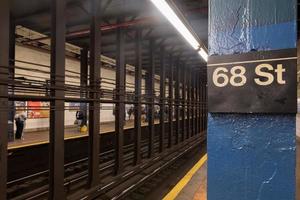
pixel 57 81
pixel 138 93
pixel 170 85
pixel 12 54
pixel 177 97
pixel 4 62
pixel 188 82
pixel 12 45
pixel 162 99
pixel 191 103
pixel 205 106
pixel 183 110
pixel 150 96
pixel 120 97
pixel 197 104
pixel 193 125
pixel 94 107
pixel 84 81
pixel 202 106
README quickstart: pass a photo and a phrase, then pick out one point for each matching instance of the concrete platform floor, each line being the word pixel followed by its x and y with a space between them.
pixel 39 137
pixel 196 188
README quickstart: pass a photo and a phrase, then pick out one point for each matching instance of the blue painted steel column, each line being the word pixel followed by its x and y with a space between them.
pixel 250 156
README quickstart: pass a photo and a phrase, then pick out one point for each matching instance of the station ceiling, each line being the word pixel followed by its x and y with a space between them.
pixel 130 14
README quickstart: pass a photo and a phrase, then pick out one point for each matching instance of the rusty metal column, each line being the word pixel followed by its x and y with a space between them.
pixel 187 74
pixel 57 82
pixel 4 62
pixel 138 93
pixel 194 74
pixel 177 104
pixel 206 108
pixel 202 106
pixel 94 94
pixel 12 53
pixel 198 100
pixel 162 99
pixel 84 81
pixel 183 111
pixel 170 84
pixel 192 102
pixel 150 96
pixel 120 97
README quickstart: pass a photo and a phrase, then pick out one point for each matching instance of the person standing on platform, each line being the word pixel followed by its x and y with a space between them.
pixel 20 124
pixel 79 118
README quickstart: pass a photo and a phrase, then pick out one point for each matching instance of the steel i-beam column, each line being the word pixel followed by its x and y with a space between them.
pixel 188 88
pixel 198 103
pixel 12 53
pixel 120 97
pixel 138 93
pixel 162 99
pixel 177 97
pixel 170 84
pixel 57 81
pixel 252 155
pixel 205 107
pixel 150 96
pixel 4 63
pixel 183 114
pixel 201 105
pixel 94 94
pixel 195 102
pixel 84 81
pixel 192 102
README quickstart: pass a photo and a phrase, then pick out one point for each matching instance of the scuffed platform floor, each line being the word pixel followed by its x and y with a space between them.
pixel 196 188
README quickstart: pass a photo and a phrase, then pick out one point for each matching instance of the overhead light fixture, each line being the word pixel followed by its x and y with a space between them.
pixel 203 54
pixel 171 16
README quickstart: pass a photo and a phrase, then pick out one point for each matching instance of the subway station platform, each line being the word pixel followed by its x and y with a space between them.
pixel 211 89
pixel 193 185
pixel 31 138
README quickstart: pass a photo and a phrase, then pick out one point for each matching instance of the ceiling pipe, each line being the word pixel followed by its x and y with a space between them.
pixel 109 27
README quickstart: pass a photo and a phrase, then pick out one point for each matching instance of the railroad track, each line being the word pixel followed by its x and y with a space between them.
pixel 35 186
pixel 74 172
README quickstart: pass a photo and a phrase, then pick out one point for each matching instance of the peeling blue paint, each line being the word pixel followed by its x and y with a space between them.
pixel 246 25
pixel 250 156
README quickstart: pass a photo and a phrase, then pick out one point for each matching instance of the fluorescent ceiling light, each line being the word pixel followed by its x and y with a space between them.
pixel 167 11
pixel 203 54
pixel 171 16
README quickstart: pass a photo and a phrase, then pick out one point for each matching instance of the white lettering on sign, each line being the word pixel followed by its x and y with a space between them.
pixel 217 76
pixel 269 76
pixel 238 73
pixel 236 77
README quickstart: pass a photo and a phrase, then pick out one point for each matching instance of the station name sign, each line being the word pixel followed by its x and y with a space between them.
pixel 255 82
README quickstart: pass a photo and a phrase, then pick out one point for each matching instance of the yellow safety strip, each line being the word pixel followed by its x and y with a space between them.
pixel 185 180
